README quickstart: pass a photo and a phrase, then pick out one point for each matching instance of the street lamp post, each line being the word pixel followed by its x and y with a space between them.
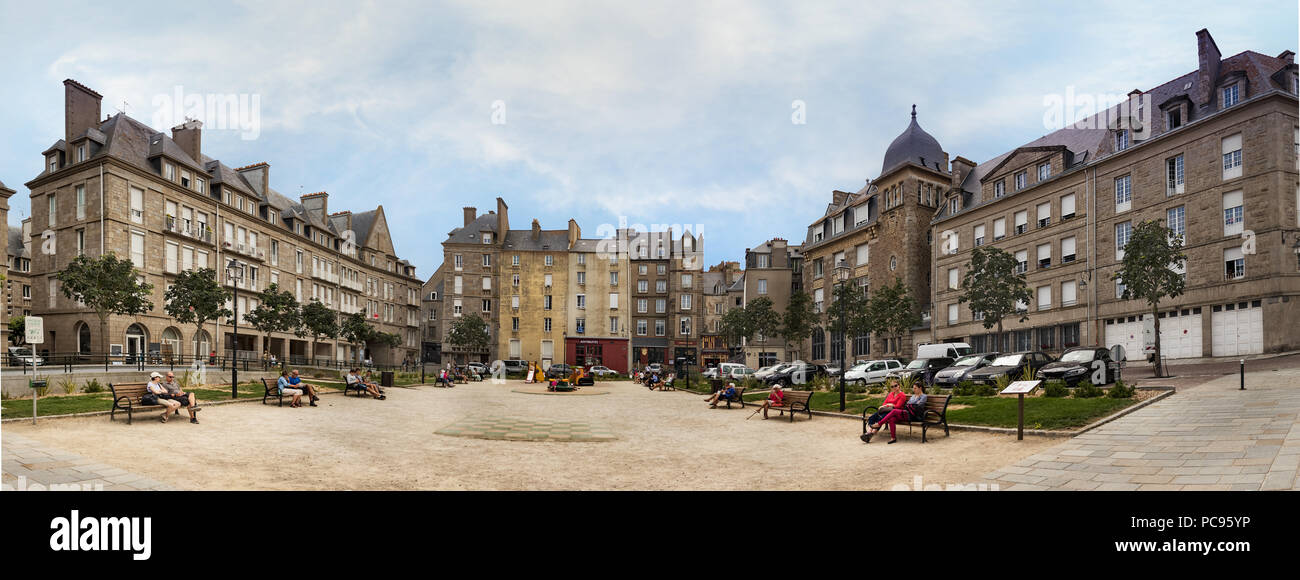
pixel 235 275
pixel 841 278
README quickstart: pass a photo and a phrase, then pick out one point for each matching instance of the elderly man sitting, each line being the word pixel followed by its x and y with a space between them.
pixel 175 393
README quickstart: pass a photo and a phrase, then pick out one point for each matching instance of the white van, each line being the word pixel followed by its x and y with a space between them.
pixel 952 350
pixel 725 369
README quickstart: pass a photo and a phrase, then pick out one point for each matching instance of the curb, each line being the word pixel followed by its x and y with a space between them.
pixel 102 413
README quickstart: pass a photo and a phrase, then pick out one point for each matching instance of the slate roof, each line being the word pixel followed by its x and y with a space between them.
pixel 549 240
pixel 16 245
pixel 470 234
pixel 914 145
pixel 2 186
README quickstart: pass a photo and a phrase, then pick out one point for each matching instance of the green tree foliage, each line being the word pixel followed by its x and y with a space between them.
pixel 107 286
pixel 357 331
pixel 763 319
pixel 892 311
pixel 798 321
pixel 276 311
pixel 196 298
pixel 18 330
pixel 318 320
pixel 469 332
pixel 1147 270
pixel 992 286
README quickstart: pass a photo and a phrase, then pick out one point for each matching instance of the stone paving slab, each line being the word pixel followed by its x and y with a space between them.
pixel 1212 437
pixel 29 465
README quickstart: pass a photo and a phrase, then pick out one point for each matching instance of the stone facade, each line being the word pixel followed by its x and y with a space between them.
pixel 772 270
pixel 169 208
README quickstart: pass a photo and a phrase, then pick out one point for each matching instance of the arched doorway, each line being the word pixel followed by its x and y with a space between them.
pixel 171 345
pixel 136 339
pixel 202 344
pixel 83 337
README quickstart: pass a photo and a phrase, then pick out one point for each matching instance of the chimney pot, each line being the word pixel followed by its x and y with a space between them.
pixel 470 215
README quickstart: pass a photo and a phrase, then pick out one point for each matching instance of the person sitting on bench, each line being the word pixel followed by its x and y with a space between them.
pixel 654 381
pixel 672 377
pixel 158 394
pixel 775 398
pixel 309 389
pixel 367 378
pixel 175 393
pixel 354 378
pixel 913 410
pixel 895 399
pixel 727 394
pixel 286 388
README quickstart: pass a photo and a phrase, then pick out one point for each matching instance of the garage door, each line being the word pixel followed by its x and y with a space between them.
pixel 1180 334
pixel 1238 329
pixel 1126 332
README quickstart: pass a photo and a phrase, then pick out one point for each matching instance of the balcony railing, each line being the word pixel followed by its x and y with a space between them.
pixel 189 229
pixel 244 249
pixel 246 284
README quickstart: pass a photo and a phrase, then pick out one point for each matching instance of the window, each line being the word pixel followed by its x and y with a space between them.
pixel 1234 262
pixel 613 300
pixel 169 171
pixel 458 285
pixel 487 261
pixel 1022 261
pixel 1022 180
pixel 582 301
pixel 613 278
pixel 1233 218
pixel 514 260
pixel 641 328
pixel 662 269
pixel 1044 171
pixel 275 253
pixel 81 202
pixel 1068 292
pixel 952 314
pixel 953 281
pixel 1067 206
pixel 661 305
pixel 1176 220
pixel 1232 157
pixel 1044 214
pixel 642 305
pixel 186 178
pixel 685 327
pixel 613 325
pixel 762 286
pixel 580 325
pixel 137 249
pixel 1044 297
pixel 764 260
pixel 1122 233
pixel 550 260
pixel 1121 140
pixel 487 305
pixel 999 229
pixel 660 328
pixel 661 286
pixel 1123 193
pixel 863 255
pixel 1045 256
pixel 817 300
pixel 1067 250
pixel 686 301
pixel 487 285
pixel 953 206
pixel 1022 221
pixel 1174 175
pixel 817 268
pixel 979 235
pixel 546 302
pixel 81 153
pixel 582 278
pixel 641 269
pixel 582 259
pixel 999 188
pixel 1231 96
pixel 54 163
pixel 514 302
pixel 546 324
pixel 171 257
pixel 547 279
pixel 1173 119
pixel 642 286
pixel 81 241
pixel 200 185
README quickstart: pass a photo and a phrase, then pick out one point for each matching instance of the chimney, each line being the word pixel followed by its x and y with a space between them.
pixel 503 220
pixel 575 232
pixel 1208 72
pixel 258 174
pixel 838 197
pixel 1287 57
pixel 189 136
pixel 470 215
pixel 537 229
pixel 80 109
pixel 961 167
pixel 317 203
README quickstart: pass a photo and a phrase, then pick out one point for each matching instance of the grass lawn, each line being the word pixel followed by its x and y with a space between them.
pixel 90 402
pixel 1040 412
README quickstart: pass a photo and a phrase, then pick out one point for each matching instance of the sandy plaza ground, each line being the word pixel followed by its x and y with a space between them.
pixel 660 441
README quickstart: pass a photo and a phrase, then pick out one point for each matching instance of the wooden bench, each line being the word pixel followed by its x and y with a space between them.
pixel 794 401
pixel 273 391
pixel 740 398
pixel 126 397
pixel 936 413
pixel 359 387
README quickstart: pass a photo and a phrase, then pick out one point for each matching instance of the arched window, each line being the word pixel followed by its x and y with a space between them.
pixel 83 338
pixel 171 344
pixel 202 344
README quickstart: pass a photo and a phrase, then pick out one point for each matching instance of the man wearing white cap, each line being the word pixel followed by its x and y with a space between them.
pixel 159 394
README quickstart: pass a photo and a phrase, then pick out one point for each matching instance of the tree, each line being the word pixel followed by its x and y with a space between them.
pixel 196 298
pixel 798 321
pixel 18 330
pixel 762 318
pixel 469 333
pixel 357 331
pixel 892 310
pixel 107 286
pixel 1147 271
pixel 276 311
pixel 852 300
pixel 318 320
pixel 993 288
pixel 736 326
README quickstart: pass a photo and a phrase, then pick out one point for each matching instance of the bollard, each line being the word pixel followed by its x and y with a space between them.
pixel 1243 375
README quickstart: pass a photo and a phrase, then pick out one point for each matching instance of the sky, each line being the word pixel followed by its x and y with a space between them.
pixel 683 113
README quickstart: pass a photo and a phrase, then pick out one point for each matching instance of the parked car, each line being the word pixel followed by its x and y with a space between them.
pixel 741 373
pixel 952 350
pixel 875 371
pixel 1012 365
pixel 479 368
pixel 559 371
pixel 922 368
pixel 19 356
pixel 602 370
pixel 515 365
pixel 796 374
pixel 962 368
pixel 1077 364
pixel 722 370
pixel 765 372
pixel 655 368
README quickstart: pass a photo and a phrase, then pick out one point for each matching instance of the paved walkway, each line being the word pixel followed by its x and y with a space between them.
pixel 1213 437
pixel 30 465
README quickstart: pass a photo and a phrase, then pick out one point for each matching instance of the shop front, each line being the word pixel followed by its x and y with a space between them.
pixel 685 349
pixel 649 350
pixel 589 352
pixel 713 350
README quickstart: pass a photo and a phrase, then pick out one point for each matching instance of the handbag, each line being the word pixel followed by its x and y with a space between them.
pixel 149 399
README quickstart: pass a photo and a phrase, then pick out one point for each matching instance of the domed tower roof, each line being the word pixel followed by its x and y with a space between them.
pixel 912 145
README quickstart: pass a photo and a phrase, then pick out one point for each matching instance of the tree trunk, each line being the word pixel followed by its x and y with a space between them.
pixel 1159 367
pixel 1000 336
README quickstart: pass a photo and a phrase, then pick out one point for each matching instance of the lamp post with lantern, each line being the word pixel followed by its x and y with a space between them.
pixel 235 275
pixel 841 277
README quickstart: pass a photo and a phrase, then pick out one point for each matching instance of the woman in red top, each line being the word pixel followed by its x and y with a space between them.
pixel 893 400
pixel 776 398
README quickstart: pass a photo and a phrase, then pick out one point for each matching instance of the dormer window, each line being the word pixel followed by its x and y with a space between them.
pixel 1121 140
pixel 169 171
pixel 1044 171
pixel 81 153
pixel 1173 119
pixel 1022 179
pixel 200 185
pixel 186 178
pixel 1000 188
pixel 54 163
pixel 487 237
pixel 1231 96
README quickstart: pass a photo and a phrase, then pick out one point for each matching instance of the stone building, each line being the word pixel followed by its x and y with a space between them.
pixel 18 268
pixel 649 257
pixel 431 313
pixel 881 233
pixel 685 285
pixel 116 185
pixel 599 294
pixel 1214 157
pixel 773 270
pixel 5 194
pixel 717 279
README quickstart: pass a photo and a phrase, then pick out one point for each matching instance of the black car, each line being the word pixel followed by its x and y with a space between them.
pixel 961 369
pixel 1079 364
pixel 797 374
pixel 923 368
pixel 1011 365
